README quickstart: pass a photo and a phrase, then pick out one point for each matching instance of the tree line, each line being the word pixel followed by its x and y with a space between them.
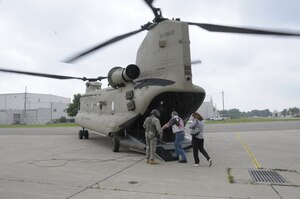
pixel 236 113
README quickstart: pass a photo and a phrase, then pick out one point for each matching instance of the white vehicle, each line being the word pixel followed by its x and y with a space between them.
pixel 216 118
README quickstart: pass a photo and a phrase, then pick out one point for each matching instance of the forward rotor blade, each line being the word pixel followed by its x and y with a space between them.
pixel 196 62
pixel 61 77
pixel 232 29
pixel 40 74
pixel 99 46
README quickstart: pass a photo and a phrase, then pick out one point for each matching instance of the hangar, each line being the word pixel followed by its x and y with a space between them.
pixel 208 110
pixel 32 108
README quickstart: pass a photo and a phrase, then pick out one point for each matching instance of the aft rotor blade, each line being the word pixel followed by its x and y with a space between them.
pixel 232 29
pixel 106 43
pixel 156 11
pixel 149 3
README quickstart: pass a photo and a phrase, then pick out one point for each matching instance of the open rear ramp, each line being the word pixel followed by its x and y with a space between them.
pixel 165 150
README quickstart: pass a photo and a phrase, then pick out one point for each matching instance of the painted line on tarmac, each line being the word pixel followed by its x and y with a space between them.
pixel 254 160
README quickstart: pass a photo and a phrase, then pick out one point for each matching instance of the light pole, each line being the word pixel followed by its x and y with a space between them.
pixel 223 103
pixel 223 100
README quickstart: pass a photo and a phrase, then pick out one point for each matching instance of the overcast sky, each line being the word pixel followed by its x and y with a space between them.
pixel 255 72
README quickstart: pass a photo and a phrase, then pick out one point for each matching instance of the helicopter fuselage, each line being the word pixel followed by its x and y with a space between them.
pixel 164 83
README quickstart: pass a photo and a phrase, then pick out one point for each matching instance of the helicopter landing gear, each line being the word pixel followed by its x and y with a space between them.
pixel 115 144
pixel 86 134
pixel 83 134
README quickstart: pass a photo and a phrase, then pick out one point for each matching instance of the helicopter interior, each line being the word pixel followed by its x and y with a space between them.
pixel 166 103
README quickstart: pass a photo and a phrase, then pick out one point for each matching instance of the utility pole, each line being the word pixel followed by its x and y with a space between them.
pixel 223 102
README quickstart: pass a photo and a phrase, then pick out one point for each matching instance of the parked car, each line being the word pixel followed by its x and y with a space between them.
pixel 216 118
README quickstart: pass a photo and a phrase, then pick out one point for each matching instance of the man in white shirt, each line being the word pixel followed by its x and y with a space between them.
pixel 178 129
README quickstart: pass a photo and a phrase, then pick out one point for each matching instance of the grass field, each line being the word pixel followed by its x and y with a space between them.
pixel 207 122
pixel 38 125
pixel 254 119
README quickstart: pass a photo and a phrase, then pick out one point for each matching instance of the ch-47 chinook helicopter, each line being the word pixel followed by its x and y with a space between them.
pixel 161 78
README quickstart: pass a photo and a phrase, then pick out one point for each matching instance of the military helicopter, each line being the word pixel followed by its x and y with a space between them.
pixel 160 79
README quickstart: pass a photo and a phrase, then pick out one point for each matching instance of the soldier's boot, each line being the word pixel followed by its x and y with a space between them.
pixel 152 161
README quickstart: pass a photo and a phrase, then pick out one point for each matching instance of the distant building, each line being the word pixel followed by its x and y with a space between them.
pixel 32 108
pixel 208 110
pixel 275 113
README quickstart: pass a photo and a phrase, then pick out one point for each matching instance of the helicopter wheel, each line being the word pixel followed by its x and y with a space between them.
pixel 80 134
pixel 86 134
pixel 116 144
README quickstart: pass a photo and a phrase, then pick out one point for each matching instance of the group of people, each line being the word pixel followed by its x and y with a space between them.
pixel 153 131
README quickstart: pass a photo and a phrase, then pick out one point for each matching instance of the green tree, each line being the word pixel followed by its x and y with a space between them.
pixel 294 110
pixel 284 112
pixel 259 113
pixel 73 107
pixel 291 111
pixel 234 113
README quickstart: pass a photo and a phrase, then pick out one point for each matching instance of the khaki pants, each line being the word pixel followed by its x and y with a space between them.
pixel 151 141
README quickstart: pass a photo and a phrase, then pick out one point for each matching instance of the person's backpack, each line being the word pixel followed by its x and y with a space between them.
pixel 177 121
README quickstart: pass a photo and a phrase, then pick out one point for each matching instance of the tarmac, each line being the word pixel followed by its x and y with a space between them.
pixel 52 163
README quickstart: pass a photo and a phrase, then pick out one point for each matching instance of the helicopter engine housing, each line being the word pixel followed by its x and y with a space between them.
pixel 118 76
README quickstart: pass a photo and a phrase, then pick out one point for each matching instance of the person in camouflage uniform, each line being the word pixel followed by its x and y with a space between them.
pixel 152 132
